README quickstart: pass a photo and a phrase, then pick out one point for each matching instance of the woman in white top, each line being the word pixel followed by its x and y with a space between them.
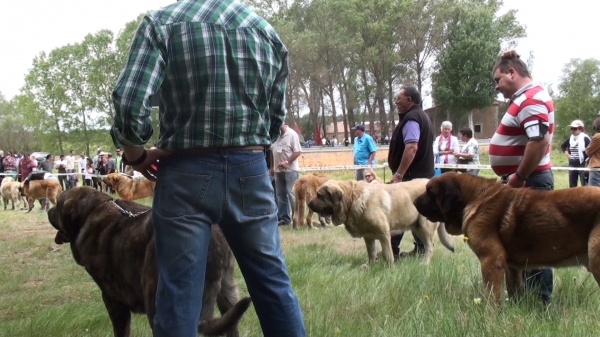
pixel 445 146
pixel 470 150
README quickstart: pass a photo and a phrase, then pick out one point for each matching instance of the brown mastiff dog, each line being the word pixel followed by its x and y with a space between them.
pixel 375 211
pixel 305 189
pixel 129 188
pixel 511 230
pixel 10 192
pixel 35 187
pixel 114 241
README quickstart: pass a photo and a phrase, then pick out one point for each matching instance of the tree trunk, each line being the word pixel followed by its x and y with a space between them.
pixel 333 109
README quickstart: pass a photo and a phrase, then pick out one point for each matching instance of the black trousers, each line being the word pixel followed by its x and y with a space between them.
pixel 396 239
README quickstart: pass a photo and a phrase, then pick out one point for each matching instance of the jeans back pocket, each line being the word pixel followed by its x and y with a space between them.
pixel 257 195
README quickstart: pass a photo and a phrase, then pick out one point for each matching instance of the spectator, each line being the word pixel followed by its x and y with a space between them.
pixel 574 148
pixel 82 163
pixel 445 146
pixel 72 177
pixel 364 150
pixel 286 150
pixel 26 166
pixel 61 165
pixel 10 165
pixel 593 151
pixel 371 177
pixel 469 154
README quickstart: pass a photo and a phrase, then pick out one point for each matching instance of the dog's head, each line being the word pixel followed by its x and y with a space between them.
pixel 71 211
pixel 113 179
pixel 447 195
pixel 329 199
pixel 442 202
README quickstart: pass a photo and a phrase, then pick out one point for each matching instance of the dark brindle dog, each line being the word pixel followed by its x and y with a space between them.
pixel 117 250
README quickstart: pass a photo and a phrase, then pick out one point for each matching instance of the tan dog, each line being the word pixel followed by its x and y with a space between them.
pixel 375 211
pixel 305 189
pixel 118 251
pixel 40 190
pixel 129 188
pixel 10 192
pixel 511 230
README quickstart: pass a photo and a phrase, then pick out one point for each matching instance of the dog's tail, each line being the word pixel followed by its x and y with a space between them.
pixel 299 208
pixel 444 237
pixel 220 326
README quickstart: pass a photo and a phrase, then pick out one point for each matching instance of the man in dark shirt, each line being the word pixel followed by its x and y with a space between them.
pixel 410 154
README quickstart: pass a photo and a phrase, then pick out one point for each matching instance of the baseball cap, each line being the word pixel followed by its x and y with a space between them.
pixel 359 127
pixel 576 124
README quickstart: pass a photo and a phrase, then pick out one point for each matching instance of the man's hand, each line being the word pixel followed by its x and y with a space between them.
pixel 284 165
pixel 395 179
pixel 568 156
pixel 515 182
pixel 148 167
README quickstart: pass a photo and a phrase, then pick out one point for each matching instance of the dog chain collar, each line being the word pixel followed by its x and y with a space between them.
pixel 128 213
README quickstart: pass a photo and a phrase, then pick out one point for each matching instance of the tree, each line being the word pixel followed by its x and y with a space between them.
pixel 579 95
pixel 463 81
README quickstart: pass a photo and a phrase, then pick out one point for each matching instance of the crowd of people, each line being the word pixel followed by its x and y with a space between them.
pixel 66 169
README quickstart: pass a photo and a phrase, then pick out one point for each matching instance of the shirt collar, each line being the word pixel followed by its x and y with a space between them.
pixel 522 90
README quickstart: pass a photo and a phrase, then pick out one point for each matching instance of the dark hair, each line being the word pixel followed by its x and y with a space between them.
pixel 48 156
pixel 467 132
pixel 413 93
pixel 510 59
pixel 596 124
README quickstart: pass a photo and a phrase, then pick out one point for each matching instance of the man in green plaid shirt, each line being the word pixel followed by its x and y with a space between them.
pixel 221 73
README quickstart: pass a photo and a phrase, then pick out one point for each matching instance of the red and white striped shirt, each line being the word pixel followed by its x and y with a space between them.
pixel 532 103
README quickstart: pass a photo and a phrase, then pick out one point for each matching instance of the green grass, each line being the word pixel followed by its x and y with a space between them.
pixel 44 293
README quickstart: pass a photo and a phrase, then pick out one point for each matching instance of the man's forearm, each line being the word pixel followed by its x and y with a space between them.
pixel 407 158
pixel 294 156
pixel 534 152
pixel 371 158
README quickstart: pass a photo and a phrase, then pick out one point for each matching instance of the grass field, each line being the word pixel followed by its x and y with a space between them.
pixel 44 293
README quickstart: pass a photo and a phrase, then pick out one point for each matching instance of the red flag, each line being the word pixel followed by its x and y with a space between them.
pixel 297 129
pixel 318 136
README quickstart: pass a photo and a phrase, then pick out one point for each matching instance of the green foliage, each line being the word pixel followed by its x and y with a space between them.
pixel 462 81
pixel 579 96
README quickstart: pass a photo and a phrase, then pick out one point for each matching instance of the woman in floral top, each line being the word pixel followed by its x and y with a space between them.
pixel 10 165
pixel 469 151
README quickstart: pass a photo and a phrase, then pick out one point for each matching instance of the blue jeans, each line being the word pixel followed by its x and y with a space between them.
pixel 232 189
pixel 541 279
pixel 594 178
pixel 284 182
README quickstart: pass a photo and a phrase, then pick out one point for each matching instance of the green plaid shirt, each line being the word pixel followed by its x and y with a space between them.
pixel 221 70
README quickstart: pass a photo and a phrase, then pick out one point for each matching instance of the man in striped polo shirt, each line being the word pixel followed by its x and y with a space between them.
pixel 520 148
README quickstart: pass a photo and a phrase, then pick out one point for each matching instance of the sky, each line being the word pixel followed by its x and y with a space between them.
pixel 558 31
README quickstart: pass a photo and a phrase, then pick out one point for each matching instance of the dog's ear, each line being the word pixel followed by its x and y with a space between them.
pixel 335 194
pixel 448 194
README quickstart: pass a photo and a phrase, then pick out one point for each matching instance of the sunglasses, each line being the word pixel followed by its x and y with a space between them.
pixel 368 176
pixel 574 129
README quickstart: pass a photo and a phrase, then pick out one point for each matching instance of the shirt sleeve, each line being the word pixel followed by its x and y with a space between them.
pixel 277 103
pixel 411 132
pixel 296 147
pixel 455 146
pixel 436 146
pixel 142 76
pixel 371 146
